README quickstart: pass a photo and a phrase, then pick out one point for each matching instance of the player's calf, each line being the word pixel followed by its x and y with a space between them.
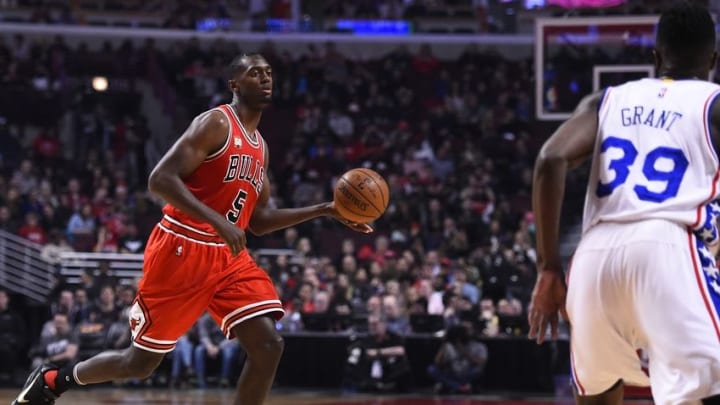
pixel 47 381
pixel 264 347
pixel 118 365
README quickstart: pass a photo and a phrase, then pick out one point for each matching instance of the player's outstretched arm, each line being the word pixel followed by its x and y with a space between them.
pixel 266 219
pixel 205 135
pixel 569 146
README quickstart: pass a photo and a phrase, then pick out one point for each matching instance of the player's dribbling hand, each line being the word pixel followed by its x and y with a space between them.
pixel 548 300
pixel 233 236
pixel 355 226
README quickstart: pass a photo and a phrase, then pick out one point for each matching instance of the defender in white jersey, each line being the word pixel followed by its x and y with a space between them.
pixel 643 275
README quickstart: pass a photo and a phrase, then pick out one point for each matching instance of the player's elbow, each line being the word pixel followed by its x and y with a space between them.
pixel 549 158
pixel 549 155
pixel 257 229
pixel 155 181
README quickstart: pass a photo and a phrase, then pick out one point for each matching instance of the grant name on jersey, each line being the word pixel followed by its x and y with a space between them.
pixel 245 168
pixel 639 115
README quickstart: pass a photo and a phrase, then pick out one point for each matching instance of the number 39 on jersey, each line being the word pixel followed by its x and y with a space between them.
pixel 663 165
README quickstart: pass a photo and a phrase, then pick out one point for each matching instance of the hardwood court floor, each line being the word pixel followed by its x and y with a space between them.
pixel 207 397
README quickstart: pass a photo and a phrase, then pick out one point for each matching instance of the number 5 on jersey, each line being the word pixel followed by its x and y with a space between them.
pixel 233 213
pixel 621 168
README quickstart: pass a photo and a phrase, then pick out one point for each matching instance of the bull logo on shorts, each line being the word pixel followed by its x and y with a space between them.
pixel 136 317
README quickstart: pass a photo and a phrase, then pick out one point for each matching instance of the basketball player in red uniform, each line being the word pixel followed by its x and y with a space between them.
pixel 214 180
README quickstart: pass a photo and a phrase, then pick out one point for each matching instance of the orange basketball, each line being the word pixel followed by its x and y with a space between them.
pixel 361 195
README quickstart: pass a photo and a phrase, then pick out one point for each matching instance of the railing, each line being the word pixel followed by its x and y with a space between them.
pixel 355 46
pixel 123 266
pixel 126 267
pixel 22 270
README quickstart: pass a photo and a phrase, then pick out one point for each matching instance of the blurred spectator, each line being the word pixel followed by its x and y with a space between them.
pixel 436 301
pixel 105 311
pixel 56 246
pixel 119 335
pixel 377 362
pixel 64 305
pixel 488 319
pixel 131 241
pixel 321 302
pixel 374 306
pixel 47 145
pixel 305 295
pixel 464 288
pixel 214 344
pixel 510 317
pixel 396 320
pixel 60 347
pixel 125 297
pixel 24 178
pixel 7 222
pixel 459 362
pixel 104 275
pixel 91 338
pixel 181 370
pixel 81 228
pixel 88 283
pixel 31 229
pixel 81 310
pixel 291 237
pixel 12 336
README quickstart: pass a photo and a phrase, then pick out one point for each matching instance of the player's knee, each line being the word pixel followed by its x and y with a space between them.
pixel 275 346
pixel 270 348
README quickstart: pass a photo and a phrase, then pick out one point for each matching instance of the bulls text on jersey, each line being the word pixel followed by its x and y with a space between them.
pixel 245 168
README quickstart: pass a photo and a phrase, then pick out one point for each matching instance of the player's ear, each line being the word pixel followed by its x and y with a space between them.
pixel 232 85
pixel 658 59
pixel 713 61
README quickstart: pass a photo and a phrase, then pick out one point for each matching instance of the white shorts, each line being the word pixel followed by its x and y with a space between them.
pixel 643 286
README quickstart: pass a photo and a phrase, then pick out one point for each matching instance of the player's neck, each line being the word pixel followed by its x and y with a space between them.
pixel 249 118
pixel 678 74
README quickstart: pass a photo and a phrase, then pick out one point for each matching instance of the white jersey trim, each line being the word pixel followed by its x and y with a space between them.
pixel 149 349
pixel 250 316
pixel 179 235
pixel 188 227
pixel 253 142
pixel 246 307
pixel 159 342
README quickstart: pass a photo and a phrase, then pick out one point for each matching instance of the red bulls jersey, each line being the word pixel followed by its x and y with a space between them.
pixel 228 181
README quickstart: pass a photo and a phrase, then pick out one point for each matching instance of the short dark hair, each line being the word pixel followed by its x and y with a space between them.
pixel 684 32
pixel 239 63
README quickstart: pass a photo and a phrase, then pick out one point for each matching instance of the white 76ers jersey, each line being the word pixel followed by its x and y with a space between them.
pixel 654 157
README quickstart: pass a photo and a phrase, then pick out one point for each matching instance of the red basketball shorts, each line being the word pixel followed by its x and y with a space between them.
pixel 187 272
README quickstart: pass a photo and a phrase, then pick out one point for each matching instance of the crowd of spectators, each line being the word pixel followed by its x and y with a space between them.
pixel 454 139
pixel 451 138
pixel 241 15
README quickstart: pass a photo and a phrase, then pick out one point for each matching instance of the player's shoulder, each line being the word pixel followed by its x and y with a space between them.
pixel 211 120
pixel 591 102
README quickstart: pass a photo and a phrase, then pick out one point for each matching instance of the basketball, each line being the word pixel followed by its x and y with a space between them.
pixel 361 195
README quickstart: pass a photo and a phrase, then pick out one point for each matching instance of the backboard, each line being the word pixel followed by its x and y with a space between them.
pixel 576 56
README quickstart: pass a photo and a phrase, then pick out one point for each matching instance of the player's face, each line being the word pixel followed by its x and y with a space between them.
pixel 254 85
